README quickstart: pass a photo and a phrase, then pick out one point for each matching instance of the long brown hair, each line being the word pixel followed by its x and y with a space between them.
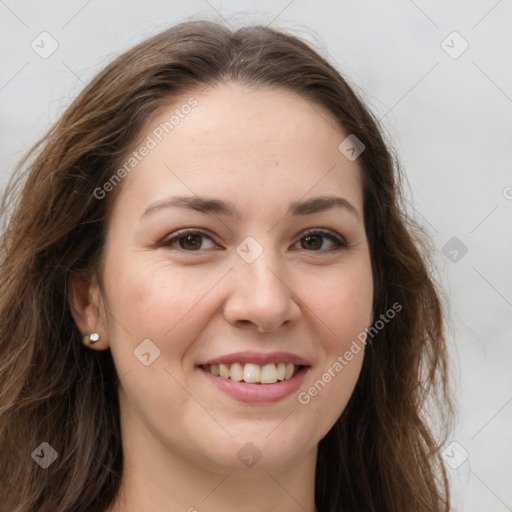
pixel 381 455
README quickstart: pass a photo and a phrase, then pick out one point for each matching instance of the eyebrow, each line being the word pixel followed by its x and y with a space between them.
pixel 220 207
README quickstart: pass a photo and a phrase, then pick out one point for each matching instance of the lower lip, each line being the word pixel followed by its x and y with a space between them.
pixel 257 393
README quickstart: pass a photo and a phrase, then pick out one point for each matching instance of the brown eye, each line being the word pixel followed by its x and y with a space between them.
pixel 314 240
pixel 190 241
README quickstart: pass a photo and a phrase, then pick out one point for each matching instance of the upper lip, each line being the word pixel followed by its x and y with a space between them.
pixel 259 358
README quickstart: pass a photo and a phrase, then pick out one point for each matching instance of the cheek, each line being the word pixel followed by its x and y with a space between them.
pixel 344 306
pixel 344 303
pixel 324 398
pixel 153 298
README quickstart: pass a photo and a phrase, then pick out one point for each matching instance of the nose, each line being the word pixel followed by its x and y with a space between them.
pixel 262 296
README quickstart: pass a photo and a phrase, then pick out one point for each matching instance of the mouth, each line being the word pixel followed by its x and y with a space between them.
pixel 253 373
pixel 255 377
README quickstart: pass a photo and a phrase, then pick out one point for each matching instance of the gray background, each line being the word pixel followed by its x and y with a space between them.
pixel 446 113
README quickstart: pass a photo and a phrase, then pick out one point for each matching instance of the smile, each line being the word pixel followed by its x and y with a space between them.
pixel 253 373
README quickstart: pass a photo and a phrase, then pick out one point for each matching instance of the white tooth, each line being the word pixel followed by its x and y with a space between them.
pixel 214 369
pixel 268 374
pixel 289 371
pixel 236 372
pixel 224 371
pixel 281 371
pixel 251 372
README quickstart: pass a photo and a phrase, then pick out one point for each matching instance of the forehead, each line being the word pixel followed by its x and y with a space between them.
pixel 234 141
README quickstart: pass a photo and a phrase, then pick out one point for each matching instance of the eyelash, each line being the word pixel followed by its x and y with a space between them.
pixel 336 239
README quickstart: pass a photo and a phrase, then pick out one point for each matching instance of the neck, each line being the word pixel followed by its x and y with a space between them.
pixel 197 490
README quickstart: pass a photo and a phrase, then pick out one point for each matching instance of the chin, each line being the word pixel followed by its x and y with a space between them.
pixel 264 451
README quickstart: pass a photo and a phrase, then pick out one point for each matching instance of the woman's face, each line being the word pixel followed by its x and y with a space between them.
pixel 188 285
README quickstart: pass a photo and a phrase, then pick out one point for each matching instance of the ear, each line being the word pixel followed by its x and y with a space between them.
pixel 86 305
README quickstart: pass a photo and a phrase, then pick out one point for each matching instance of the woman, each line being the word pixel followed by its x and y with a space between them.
pixel 212 299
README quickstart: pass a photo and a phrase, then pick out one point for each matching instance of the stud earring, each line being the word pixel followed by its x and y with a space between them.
pixel 94 337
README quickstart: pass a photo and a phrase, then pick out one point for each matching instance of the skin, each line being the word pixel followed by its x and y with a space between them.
pixel 261 149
